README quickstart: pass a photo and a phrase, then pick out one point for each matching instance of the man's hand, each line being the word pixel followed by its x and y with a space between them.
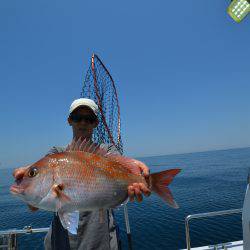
pixel 137 189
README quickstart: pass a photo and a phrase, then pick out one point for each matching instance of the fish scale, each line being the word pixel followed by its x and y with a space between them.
pixel 77 173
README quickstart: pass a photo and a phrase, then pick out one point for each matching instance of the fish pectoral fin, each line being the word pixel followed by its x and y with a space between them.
pixel 55 198
pixel 69 221
pixel 101 215
pixel 58 192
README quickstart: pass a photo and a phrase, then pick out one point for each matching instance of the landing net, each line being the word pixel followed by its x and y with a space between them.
pixel 100 87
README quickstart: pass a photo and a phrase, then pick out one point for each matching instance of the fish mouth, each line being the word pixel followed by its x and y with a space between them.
pixel 15 189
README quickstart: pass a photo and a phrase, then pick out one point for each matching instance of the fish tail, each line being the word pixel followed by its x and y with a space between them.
pixel 160 181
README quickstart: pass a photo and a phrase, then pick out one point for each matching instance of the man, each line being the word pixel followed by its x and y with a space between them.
pixel 91 233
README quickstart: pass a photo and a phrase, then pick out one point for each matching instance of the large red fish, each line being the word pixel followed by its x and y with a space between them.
pixel 85 178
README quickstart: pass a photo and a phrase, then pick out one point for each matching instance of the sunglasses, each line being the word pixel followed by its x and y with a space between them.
pixel 87 118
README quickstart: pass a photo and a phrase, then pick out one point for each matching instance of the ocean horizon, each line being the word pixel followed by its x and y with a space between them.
pixel 209 181
pixel 144 158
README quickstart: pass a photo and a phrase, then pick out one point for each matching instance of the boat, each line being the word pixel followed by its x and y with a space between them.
pixel 9 238
pixel 235 245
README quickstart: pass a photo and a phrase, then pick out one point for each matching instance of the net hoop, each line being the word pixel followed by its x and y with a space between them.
pixel 100 86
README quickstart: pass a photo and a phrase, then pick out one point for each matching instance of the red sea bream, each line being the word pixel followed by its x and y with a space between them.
pixel 85 178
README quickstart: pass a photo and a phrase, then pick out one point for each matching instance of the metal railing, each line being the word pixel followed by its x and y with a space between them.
pixel 205 215
pixel 9 237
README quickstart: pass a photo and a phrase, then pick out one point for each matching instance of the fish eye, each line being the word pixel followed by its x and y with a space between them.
pixel 33 172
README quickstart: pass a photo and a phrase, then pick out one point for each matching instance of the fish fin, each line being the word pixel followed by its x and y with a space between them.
pixel 132 165
pixel 33 209
pixel 55 196
pixel 159 181
pixel 58 191
pixel 86 146
pixel 69 221
pixel 49 200
pixel 101 215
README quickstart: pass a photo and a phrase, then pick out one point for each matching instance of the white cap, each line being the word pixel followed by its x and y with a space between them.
pixel 84 102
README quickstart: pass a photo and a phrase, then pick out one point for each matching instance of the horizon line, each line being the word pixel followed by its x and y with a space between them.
pixel 203 151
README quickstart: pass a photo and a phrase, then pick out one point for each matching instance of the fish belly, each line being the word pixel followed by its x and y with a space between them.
pixel 101 194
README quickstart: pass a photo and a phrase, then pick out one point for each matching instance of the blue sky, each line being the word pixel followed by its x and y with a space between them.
pixel 181 69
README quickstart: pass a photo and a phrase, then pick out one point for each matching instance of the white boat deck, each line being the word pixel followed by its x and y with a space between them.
pixel 236 245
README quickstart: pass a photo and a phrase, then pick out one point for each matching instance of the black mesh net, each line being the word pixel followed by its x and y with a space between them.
pixel 99 86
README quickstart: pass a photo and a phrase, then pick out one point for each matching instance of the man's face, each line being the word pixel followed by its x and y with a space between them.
pixel 83 122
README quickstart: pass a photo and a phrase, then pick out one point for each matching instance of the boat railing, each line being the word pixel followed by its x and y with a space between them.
pixel 205 215
pixel 8 238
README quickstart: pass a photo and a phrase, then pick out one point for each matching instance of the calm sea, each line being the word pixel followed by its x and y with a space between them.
pixel 209 181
